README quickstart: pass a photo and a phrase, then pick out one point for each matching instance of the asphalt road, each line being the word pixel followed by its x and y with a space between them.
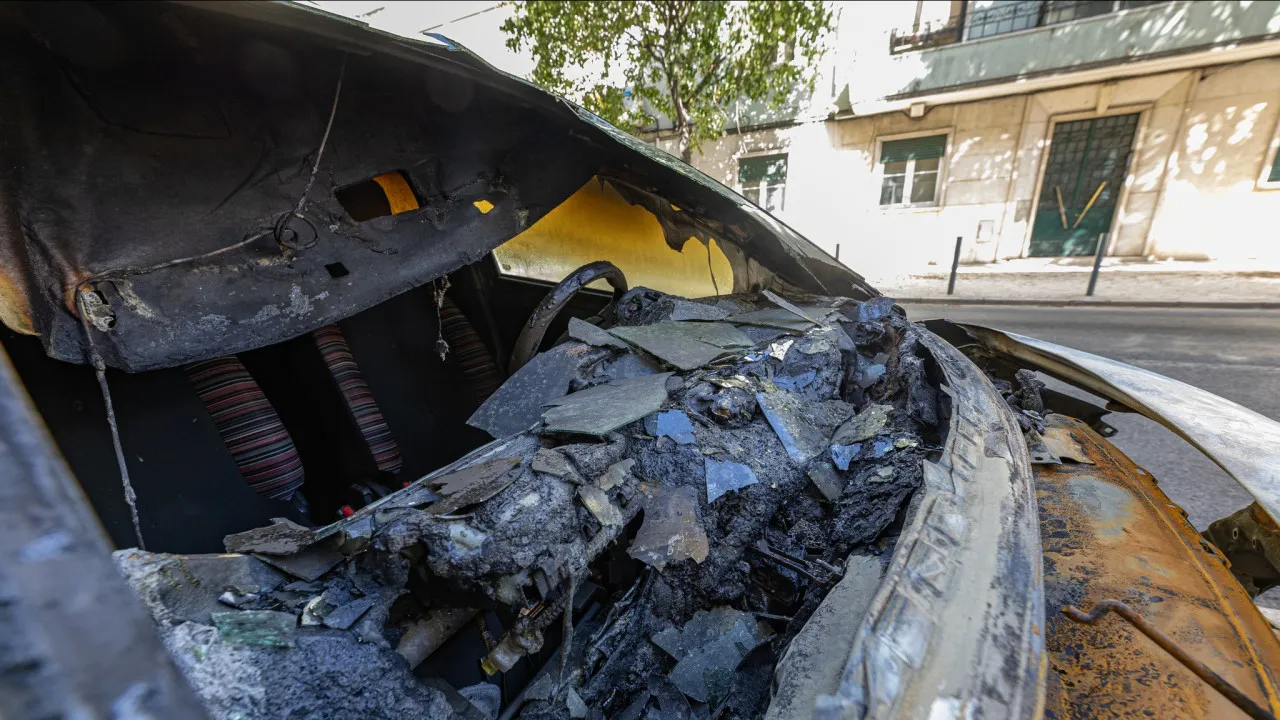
pixel 1234 354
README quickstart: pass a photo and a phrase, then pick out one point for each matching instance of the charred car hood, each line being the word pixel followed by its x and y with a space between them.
pixel 1242 442
pixel 188 199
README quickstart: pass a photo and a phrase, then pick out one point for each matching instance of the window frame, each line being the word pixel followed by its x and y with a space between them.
pixel 763 185
pixel 939 193
pixel 1270 159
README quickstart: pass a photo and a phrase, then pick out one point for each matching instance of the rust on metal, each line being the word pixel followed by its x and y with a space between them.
pixel 1215 680
pixel 1109 533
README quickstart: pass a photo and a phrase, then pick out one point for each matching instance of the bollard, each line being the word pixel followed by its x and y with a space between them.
pixel 955 265
pixel 1097 263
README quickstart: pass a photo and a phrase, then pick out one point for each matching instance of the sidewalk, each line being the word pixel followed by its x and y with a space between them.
pixel 1120 282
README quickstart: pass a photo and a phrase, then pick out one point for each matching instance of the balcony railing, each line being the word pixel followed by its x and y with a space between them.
pixel 928 35
pixel 982 22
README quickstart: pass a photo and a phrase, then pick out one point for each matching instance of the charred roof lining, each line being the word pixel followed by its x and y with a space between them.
pixel 175 205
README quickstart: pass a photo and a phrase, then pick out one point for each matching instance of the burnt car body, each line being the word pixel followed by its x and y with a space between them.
pixel 248 274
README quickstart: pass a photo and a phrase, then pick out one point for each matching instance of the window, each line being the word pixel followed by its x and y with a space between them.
pixel 911 169
pixel 988 18
pixel 763 180
pixel 1274 175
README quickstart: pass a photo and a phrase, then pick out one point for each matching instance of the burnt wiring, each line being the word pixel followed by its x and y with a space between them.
pixel 278 228
pixel 100 369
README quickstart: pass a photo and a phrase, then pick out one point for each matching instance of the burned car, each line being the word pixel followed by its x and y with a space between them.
pixel 402 388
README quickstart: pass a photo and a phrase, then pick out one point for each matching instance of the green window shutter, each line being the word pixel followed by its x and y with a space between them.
pixel 1275 168
pixel 770 168
pixel 921 148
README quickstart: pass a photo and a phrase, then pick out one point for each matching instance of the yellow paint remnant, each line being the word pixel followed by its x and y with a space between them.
pixel 673 207
pixel 484 206
pixel 595 223
pixel 399 195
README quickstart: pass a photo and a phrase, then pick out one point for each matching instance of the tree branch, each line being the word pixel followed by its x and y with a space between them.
pixel 706 80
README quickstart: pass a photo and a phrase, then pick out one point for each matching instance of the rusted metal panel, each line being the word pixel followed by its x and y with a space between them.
pixel 1109 533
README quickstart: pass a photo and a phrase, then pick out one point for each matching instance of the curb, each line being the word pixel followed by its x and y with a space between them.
pixel 1168 304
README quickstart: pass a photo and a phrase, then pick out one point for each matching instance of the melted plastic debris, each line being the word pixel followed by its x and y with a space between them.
pixel 472 485
pixel 567 514
pixel 865 425
pixel 605 408
pixel 875 309
pixel 1060 442
pixel 685 345
pixel 672 530
pixel 1040 452
pixel 593 335
pixel 518 403
pixel 670 423
pixel 708 650
pixel 725 476
pixel 256 627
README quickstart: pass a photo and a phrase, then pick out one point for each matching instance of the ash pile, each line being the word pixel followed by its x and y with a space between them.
pixel 669 502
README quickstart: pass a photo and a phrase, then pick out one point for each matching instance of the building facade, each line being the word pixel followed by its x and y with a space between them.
pixel 1030 128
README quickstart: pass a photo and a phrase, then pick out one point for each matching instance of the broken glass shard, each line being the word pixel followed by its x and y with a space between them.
pixel 671 423
pixel 472 485
pixel 800 437
pixel 554 464
pixel 307 564
pixel 282 537
pixel 616 474
pixel 827 481
pixel 605 408
pixel 842 455
pixel 672 531
pixel 726 476
pixel 690 310
pixel 863 426
pixel 796 382
pixel 772 318
pixel 519 402
pixel 709 649
pixel 786 305
pixel 686 345
pixel 584 331
pixel 601 507
pixel 256 627
pixel 344 616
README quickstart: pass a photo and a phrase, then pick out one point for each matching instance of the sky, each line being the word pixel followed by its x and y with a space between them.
pixel 474 24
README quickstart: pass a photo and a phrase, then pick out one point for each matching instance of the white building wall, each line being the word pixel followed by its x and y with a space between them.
pixel 1192 191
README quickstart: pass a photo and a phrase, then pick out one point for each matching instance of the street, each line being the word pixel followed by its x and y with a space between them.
pixel 1232 353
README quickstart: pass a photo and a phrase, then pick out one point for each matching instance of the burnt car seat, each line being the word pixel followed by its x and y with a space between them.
pixel 257 440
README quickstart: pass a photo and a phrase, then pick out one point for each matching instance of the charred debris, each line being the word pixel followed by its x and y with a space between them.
pixel 669 502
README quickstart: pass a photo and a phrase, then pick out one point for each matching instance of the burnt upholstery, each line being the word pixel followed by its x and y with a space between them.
pixel 364 409
pixel 470 353
pixel 259 443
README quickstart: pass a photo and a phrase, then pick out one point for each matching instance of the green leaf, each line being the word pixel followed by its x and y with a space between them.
pixel 689 61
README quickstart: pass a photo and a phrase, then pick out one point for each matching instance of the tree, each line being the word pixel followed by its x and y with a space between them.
pixel 689 61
